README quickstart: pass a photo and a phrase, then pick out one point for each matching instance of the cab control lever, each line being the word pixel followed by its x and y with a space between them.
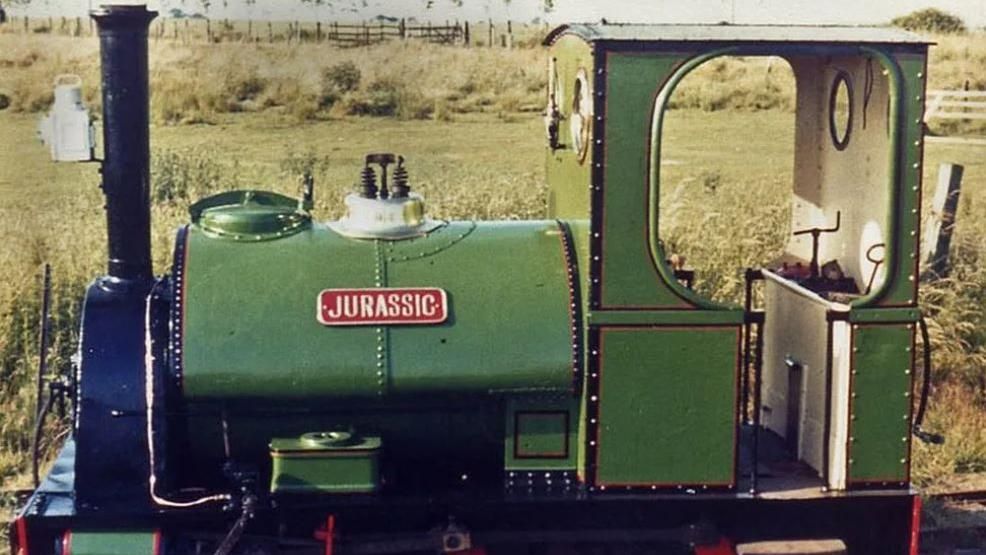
pixel 816 232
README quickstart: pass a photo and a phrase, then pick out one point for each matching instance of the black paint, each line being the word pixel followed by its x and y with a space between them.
pixel 126 166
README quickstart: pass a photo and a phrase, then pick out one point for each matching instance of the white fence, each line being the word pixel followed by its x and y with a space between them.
pixel 960 105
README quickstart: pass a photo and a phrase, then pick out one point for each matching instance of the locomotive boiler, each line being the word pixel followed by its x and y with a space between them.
pixel 393 382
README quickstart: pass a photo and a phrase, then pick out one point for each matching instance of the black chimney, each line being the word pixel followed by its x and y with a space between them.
pixel 126 164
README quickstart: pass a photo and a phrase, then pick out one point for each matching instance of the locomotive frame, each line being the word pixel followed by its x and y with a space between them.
pixel 635 410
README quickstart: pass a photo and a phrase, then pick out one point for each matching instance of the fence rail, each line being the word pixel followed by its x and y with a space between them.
pixel 956 105
pixel 196 29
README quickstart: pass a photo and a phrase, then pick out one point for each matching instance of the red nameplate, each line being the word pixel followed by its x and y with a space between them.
pixel 367 307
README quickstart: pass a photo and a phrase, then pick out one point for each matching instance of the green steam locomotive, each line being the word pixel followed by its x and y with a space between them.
pixel 392 382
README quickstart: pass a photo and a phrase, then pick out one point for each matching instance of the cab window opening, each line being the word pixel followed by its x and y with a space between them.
pixel 764 164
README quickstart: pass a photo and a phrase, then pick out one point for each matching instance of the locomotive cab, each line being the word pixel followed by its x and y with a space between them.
pixel 846 276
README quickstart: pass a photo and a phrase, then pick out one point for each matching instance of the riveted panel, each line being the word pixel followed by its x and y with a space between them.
pixel 903 288
pixel 541 433
pixel 629 277
pixel 666 407
pixel 250 308
pixel 880 404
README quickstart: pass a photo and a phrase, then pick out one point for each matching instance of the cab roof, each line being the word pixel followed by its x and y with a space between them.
pixel 793 34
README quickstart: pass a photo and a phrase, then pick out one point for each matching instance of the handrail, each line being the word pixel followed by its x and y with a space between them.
pixel 894 184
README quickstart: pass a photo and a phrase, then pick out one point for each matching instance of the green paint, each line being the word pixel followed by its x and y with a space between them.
pixel 880 403
pixel 667 406
pixel 629 276
pixel 85 542
pixel 666 317
pixel 541 433
pixel 508 329
pixel 300 467
pixel 250 215
pixel 878 315
pixel 903 290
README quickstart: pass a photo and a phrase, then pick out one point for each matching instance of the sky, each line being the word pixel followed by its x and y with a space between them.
pixel 644 11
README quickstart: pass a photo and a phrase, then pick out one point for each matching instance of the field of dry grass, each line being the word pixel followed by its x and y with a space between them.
pixel 230 115
pixel 196 83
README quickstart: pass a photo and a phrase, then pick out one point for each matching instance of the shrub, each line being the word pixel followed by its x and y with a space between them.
pixel 930 20
pixel 247 87
pixel 184 176
pixel 338 80
pixel 344 77
pixel 300 163
pixel 381 98
pixel 305 108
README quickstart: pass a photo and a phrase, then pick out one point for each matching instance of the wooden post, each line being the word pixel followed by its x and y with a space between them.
pixel 208 30
pixel 297 31
pixel 510 34
pixel 27 24
pixel 465 34
pixel 402 29
pixel 318 31
pixel 941 221
pixel 489 42
pixel 965 88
